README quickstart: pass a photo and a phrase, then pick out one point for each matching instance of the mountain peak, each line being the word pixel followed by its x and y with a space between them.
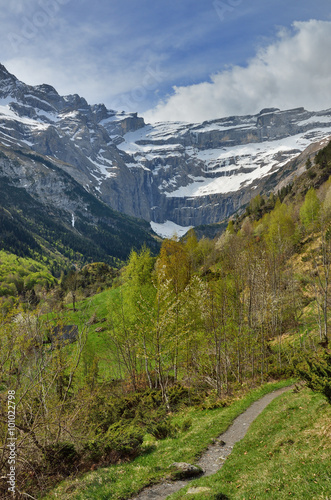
pixel 188 174
pixel 7 82
pixel 5 73
pixel 268 110
pixel 47 89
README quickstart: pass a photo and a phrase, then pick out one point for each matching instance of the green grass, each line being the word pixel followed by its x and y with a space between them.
pixel 285 454
pixel 98 342
pixel 85 308
pixel 122 481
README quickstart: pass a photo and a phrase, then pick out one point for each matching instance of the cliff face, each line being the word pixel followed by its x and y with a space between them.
pixel 205 172
pixel 188 173
pixel 44 211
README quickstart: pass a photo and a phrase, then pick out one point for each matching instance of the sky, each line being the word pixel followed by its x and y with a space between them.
pixel 176 60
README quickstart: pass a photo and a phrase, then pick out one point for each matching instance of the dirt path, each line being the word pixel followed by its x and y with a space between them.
pixel 215 455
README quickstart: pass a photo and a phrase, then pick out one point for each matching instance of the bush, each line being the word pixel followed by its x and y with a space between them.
pixel 277 373
pixel 163 429
pixel 212 401
pixel 61 456
pixel 311 174
pixel 93 450
pixel 105 412
pixel 180 396
pixel 316 372
pixel 124 439
pixel 152 399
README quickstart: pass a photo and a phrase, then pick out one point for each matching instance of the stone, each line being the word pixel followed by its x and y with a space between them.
pixel 183 470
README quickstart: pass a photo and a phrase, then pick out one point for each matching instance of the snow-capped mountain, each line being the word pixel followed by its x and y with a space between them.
pixel 44 210
pixel 204 172
pixel 186 174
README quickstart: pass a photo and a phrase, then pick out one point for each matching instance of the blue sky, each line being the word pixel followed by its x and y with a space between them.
pixel 177 59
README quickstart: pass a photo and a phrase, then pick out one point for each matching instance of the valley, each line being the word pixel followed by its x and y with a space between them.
pixel 127 352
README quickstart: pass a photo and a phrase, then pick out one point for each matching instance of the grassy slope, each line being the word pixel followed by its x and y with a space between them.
pixel 123 480
pixel 285 454
pixel 98 342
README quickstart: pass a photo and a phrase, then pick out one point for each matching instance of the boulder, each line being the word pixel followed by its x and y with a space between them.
pixel 182 470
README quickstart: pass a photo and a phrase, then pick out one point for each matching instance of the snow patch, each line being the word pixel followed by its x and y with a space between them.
pixel 168 229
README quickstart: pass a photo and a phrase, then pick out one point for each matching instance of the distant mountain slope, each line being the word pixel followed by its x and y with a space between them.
pixel 44 212
pixel 188 174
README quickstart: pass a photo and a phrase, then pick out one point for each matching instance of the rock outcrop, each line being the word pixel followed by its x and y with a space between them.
pixel 190 174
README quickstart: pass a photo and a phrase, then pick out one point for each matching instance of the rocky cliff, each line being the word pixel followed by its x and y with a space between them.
pixel 186 173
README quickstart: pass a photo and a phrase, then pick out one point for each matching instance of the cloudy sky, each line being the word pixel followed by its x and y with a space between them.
pixel 188 60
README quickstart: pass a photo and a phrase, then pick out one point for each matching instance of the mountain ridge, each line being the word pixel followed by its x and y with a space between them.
pixel 189 174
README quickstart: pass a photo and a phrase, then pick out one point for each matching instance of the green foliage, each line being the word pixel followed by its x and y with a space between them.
pixel 311 174
pixel 230 229
pixel 123 439
pixel 255 206
pixel 122 423
pixel 140 266
pixel 89 280
pixel 316 372
pixel 20 275
pixel 281 229
pixel 310 210
pixel 308 164
pixel 144 410
pixel 284 191
pixel 162 429
pixel 179 396
pixel 186 424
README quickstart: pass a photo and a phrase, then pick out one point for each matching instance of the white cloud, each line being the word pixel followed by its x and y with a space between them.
pixel 123 88
pixel 293 71
pixel 85 59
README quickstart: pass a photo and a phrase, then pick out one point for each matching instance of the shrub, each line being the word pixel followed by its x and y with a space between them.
pixel 163 429
pixel 124 439
pixel 93 450
pixel 61 456
pixel 178 396
pixel 316 372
